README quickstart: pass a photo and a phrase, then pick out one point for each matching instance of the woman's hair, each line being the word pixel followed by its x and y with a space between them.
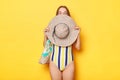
pixel 68 12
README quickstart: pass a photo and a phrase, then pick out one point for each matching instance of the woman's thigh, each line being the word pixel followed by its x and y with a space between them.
pixel 54 71
pixel 68 73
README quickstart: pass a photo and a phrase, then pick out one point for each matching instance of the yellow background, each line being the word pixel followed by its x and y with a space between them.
pixel 21 38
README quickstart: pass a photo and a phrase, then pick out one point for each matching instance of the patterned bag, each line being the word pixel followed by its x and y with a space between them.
pixel 44 59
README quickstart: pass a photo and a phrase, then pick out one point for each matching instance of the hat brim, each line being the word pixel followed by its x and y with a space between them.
pixel 70 39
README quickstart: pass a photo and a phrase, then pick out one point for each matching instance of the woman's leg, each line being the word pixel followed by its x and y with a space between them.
pixel 68 73
pixel 55 72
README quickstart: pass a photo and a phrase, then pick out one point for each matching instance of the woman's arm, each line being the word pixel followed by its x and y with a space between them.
pixel 45 36
pixel 77 42
pixel 45 39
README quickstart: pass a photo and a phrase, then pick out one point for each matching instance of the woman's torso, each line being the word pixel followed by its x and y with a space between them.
pixel 61 56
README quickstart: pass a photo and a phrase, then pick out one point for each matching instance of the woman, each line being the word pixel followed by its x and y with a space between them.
pixel 67 72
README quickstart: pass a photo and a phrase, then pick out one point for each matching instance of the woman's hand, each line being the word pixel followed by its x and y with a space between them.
pixel 45 36
pixel 46 30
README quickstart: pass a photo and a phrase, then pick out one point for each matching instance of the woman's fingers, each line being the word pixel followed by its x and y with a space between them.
pixel 46 29
pixel 77 28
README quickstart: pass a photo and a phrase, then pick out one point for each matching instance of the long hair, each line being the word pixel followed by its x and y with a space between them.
pixel 68 12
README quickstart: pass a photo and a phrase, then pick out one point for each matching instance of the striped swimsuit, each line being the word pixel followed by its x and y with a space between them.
pixel 61 56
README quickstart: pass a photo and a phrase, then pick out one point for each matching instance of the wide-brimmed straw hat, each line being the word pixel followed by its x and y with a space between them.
pixel 61 31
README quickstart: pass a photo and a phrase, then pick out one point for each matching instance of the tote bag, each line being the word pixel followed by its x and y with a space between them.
pixel 45 57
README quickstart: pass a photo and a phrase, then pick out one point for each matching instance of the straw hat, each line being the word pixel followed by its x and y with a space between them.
pixel 62 32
